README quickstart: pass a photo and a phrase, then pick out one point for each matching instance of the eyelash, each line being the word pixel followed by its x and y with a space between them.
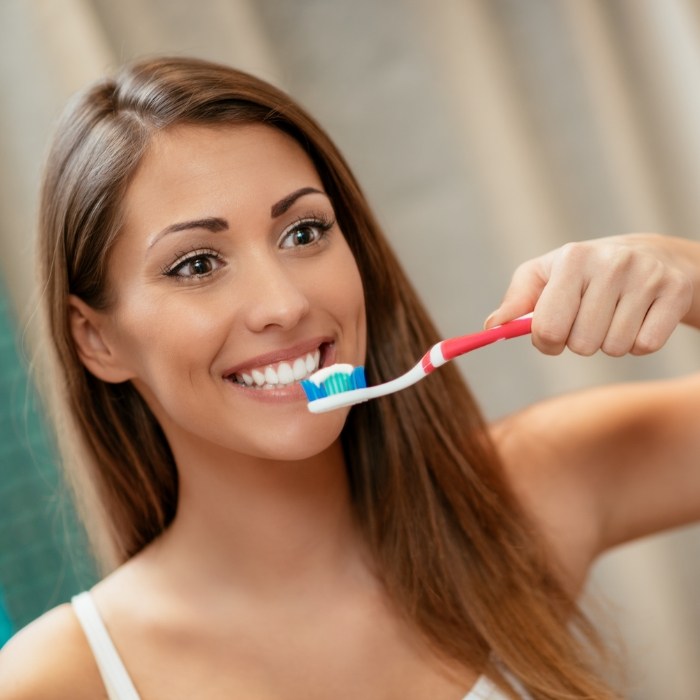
pixel 319 221
pixel 187 257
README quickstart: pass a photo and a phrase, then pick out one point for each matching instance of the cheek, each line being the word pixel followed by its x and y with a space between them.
pixel 157 332
pixel 339 291
pixel 352 291
pixel 343 288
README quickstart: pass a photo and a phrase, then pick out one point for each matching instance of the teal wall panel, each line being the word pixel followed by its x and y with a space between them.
pixel 43 554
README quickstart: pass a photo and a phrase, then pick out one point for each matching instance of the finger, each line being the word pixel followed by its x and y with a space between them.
pixel 645 320
pixel 521 296
pixel 667 310
pixel 657 327
pixel 625 326
pixel 556 310
pixel 594 318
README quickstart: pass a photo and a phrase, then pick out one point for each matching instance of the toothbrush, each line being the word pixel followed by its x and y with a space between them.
pixel 344 385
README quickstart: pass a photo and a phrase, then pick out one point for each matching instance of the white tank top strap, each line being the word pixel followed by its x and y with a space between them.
pixel 119 685
pixel 484 689
pixel 117 682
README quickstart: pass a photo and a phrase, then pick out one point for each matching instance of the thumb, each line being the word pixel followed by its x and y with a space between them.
pixel 520 298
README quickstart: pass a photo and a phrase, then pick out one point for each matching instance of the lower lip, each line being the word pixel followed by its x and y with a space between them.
pixel 288 393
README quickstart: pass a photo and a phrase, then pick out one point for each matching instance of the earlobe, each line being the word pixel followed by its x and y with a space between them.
pixel 93 347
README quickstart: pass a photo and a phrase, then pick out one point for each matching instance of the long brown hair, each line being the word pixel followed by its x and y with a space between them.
pixel 455 551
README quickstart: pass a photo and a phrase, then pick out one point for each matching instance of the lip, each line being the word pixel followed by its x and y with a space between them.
pixel 287 393
pixel 289 353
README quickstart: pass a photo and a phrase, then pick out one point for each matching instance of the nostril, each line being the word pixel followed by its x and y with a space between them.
pixel 283 308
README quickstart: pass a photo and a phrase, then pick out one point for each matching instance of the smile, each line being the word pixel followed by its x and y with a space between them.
pixel 281 374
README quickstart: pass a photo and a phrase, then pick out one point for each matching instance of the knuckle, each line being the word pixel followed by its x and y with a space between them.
pixel 656 275
pixel 523 269
pixel 548 348
pixel 647 344
pixel 548 340
pixel 615 347
pixel 623 264
pixel 524 277
pixel 573 254
pixel 549 337
pixel 582 346
pixel 682 288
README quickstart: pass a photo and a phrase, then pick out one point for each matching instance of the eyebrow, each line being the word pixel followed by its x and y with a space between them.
pixel 285 203
pixel 216 224
pixel 213 224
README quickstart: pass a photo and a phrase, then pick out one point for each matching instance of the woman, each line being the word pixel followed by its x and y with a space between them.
pixel 203 247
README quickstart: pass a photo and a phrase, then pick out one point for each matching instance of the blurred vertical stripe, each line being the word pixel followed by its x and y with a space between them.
pixel 6 627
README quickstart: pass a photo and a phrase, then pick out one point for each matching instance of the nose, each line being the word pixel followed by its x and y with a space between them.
pixel 274 297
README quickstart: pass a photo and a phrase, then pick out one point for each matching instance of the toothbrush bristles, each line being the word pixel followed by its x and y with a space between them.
pixel 336 383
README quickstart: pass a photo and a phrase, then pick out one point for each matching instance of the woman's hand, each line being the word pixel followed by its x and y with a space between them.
pixel 622 294
pixel 604 466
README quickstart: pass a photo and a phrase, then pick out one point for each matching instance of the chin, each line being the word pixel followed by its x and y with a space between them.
pixel 291 434
pixel 300 443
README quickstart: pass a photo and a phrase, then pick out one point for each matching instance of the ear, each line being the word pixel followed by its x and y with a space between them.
pixel 92 343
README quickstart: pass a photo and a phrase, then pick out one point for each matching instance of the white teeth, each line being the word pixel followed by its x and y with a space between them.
pixel 312 361
pixel 299 369
pixel 271 376
pixel 284 374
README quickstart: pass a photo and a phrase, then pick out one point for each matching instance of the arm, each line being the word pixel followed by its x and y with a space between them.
pixel 607 465
pixel 50 660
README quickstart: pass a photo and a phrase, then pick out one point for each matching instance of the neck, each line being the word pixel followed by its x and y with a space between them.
pixel 258 523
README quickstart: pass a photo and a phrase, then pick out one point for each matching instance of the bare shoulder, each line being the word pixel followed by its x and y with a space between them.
pixel 50 660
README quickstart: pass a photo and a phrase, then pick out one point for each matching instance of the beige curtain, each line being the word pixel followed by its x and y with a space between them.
pixel 484 132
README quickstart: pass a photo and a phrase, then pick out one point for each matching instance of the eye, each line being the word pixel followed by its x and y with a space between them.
pixel 306 232
pixel 195 265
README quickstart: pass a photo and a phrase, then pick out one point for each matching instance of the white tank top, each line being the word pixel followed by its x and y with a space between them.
pixel 114 674
pixel 116 678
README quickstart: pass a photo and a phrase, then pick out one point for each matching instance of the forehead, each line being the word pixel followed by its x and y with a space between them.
pixel 192 168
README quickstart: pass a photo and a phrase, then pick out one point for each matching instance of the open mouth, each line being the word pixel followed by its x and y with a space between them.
pixel 282 374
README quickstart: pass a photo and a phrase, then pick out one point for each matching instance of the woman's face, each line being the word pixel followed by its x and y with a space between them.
pixel 232 281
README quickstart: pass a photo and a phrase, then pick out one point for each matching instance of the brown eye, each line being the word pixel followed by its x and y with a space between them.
pixel 304 236
pixel 199 266
pixel 306 233
pixel 195 265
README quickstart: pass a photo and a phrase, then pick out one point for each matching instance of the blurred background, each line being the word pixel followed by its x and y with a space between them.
pixel 484 132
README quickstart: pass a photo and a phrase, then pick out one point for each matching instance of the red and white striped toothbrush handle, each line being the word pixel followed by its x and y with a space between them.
pixel 447 350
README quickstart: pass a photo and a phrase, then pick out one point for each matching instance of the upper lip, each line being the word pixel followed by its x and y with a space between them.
pixel 280 355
